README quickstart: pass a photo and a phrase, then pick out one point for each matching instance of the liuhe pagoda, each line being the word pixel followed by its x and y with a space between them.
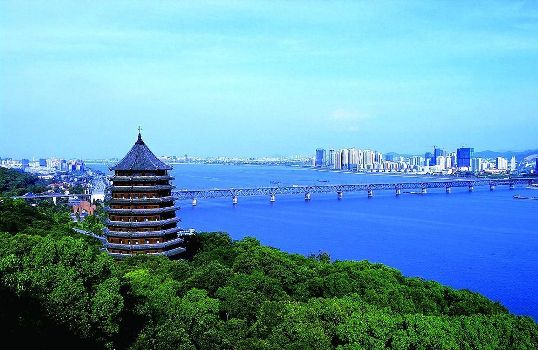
pixel 140 206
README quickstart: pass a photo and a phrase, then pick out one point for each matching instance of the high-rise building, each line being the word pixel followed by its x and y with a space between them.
pixel 141 211
pixel 321 158
pixel 437 152
pixel 344 154
pixel 501 163
pixel 536 167
pixel 368 159
pixel 441 162
pixel 428 159
pixel 42 162
pixel 464 156
pixel 353 155
pixel 331 158
pixel 476 164
pixel 513 164
pixel 338 160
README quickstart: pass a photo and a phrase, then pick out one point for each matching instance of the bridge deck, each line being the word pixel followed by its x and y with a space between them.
pixel 295 189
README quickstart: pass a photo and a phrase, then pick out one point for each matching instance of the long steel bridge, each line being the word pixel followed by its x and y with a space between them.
pixel 308 190
pixel 339 190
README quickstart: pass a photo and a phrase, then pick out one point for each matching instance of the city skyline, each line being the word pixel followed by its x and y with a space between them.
pixel 291 154
pixel 253 79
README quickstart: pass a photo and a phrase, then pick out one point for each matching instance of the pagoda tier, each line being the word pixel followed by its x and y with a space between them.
pixel 148 223
pixel 137 178
pixel 141 200
pixel 124 233
pixel 140 188
pixel 140 207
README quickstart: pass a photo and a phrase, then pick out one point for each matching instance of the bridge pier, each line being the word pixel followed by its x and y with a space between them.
pixel 448 189
pixel 194 202
pixel 398 191
pixel 273 198
pixel 234 200
pixel 511 186
pixel 471 188
pixel 423 190
pixel 340 194
pixel 307 196
pixel 491 187
pixel 370 193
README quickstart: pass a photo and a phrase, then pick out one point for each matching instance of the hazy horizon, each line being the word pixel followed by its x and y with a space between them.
pixel 229 78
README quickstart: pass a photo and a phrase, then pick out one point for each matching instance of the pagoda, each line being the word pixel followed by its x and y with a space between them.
pixel 140 207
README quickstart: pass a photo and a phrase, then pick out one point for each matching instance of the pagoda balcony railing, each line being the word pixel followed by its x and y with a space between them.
pixel 148 223
pixel 144 246
pixel 141 178
pixel 171 252
pixel 139 200
pixel 141 211
pixel 142 188
pixel 142 234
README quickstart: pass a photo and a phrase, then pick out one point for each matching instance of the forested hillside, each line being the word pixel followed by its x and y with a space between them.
pixel 58 289
pixel 16 183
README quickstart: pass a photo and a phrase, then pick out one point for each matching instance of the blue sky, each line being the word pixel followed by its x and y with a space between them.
pixel 266 78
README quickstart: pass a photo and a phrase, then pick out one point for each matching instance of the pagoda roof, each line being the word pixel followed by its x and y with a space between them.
pixel 140 158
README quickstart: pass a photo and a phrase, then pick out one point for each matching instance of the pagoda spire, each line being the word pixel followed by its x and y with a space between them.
pixel 139 141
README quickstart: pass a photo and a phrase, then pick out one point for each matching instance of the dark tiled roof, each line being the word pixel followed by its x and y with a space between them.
pixel 140 158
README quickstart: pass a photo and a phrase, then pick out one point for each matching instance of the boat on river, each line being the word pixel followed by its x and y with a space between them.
pixel 517 196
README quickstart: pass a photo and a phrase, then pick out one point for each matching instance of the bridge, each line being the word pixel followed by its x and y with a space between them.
pixel 339 190
pixel 308 190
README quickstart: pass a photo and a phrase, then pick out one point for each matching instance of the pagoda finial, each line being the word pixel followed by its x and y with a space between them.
pixel 139 135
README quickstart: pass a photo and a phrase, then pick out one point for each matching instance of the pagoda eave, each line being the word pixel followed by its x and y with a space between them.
pixel 142 211
pixel 142 223
pixel 144 234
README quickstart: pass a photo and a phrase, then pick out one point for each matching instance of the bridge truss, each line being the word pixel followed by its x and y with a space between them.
pixel 340 189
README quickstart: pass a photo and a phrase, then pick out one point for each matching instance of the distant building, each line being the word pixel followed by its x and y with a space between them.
pixel 428 159
pixel 321 158
pixel 501 163
pixel 536 167
pixel 331 158
pixel 476 164
pixel 437 152
pixel 63 165
pixel 345 158
pixel 337 160
pixel 42 162
pixel 464 156
pixel 513 164
pixel 25 163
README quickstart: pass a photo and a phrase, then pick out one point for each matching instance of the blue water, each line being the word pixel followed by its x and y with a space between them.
pixel 483 241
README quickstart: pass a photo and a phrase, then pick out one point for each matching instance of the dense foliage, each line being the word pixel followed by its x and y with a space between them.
pixel 59 289
pixel 16 183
